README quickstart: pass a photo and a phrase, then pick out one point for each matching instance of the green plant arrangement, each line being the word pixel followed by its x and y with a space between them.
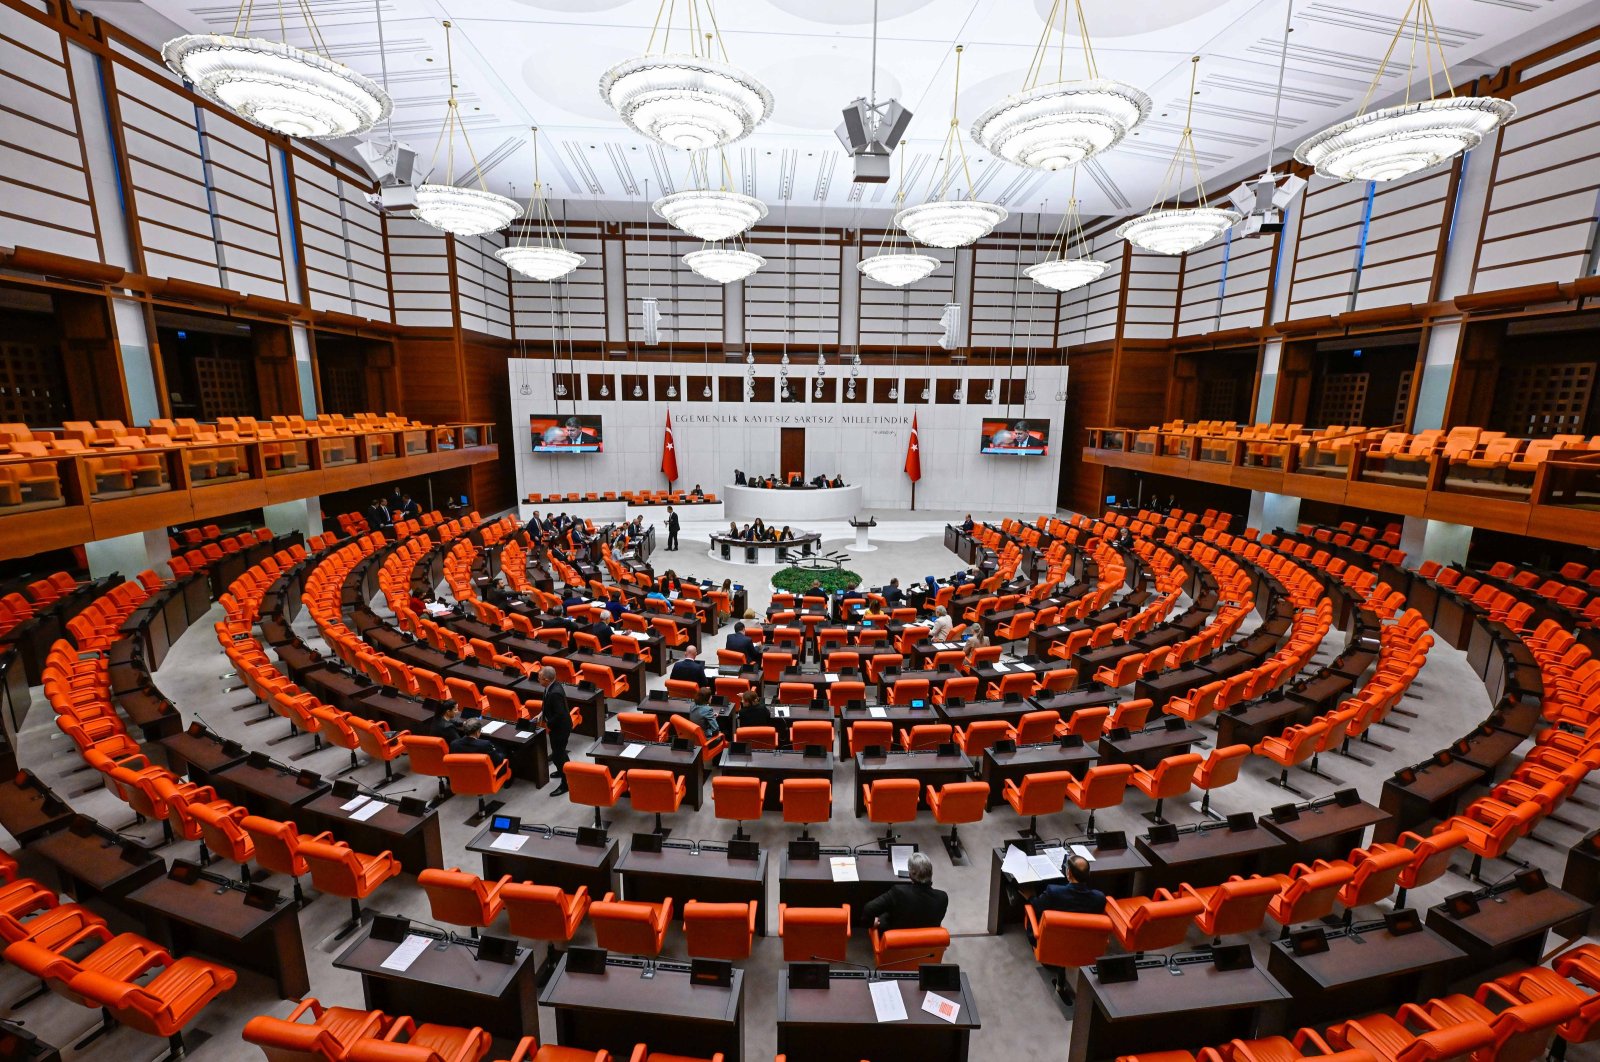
pixel 797 580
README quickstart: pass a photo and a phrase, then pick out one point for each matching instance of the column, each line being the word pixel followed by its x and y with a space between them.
pixel 1268 511
pixel 302 514
pixel 305 372
pixel 128 554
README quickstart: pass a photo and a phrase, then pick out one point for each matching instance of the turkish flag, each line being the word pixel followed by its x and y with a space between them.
pixel 914 453
pixel 669 454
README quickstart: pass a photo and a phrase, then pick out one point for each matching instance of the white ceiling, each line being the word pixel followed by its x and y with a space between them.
pixel 521 63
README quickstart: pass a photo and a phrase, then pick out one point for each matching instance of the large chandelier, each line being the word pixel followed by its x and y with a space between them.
pixel 1178 229
pixel 460 211
pixel 1061 271
pixel 1392 142
pixel 942 222
pixel 691 101
pixel 544 256
pixel 710 215
pixel 898 270
pixel 723 264
pixel 276 85
pixel 1060 123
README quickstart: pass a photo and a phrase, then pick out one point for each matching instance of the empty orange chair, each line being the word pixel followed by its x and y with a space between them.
pixel 1238 905
pixel 544 912
pixel 1541 982
pixel 1221 768
pixel 642 726
pixel 1197 704
pixel 976 737
pixel 812 732
pixel 871 733
pixel 1016 684
pixel 426 755
pixel 1430 858
pixel 656 791
pixel 222 834
pixel 683 689
pixel 422 1043
pixel 476 774
pixel 161 1006
pixel 462 899
pixel 1067 940
pixel 339 871
pixel 328 1035
pixel 1523 1030
pixel 1101 787
pixel 739 799
pixel 602 678
pixel 1173 777
pixel 1037 728
pixel 907 949
pixel 814 932
pixel 926 736
pixel 1306 895
pixel 1041 793
pixel 796 693
pixel 1087 723
pixel 964 688
pixel 592 784
pixel 1491 837
pixel 1130 715
pixel 642 1053
pixel 844 693
pixel 1412 1036
pixel 719 930
pixel 806 800
pixel 757 737
pixel 1152 923
pixel 1377 871
pixel 956 803
pixel 379 744
pixel 889 801
pixel 1122 673
pixel 1296 745
pixel 277 846
pixel 631 927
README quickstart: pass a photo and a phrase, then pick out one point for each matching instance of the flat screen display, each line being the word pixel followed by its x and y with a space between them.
pixel 572 433
pixel 1017 437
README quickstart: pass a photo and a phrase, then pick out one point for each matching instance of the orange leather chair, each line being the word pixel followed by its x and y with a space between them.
pixel 592 784
pixel 1430 858
pixel 1173 777
pixel 1523 1030
pixel 977 736
pixel 426 755
pixel 1491 836
pixel 814 932
pixel 1542 982
pixel 1067 940
pixel 1131 715
pixel 476 774
pixel 719 930
pixel 907 949
pixel 1041 793
pixel 277 846
pixel 1377 871
pixel 1152 923
pixel 964 688
pixel 710 747
pixel 423 1043
pixel 1037 728
pixel 757 737
pixel 631 927
pixel 379 745
pixel 1296 745
pixel 956 803
pixel 871 733
pixel 1018 683
pixel 890 800
pixel 544 912
pixel 462 899
pixel 1238 905
pixel 926 736
pixel 908 691
pixel 162 1006
pixel 809 732
pixel 328 1035
pixel 642 726
pixel 602 678
pixel 656 791
pixel 1197 704
pixel 1306 894
pixel 1086 723
pixel 222 834
pixel 642 1053
pixel 1221 768
pixel 1101 787
pixel 683 689
pixel 739 799
pixel 806 800
pixel 1412 1036
pixel 844 693
pixel 340 871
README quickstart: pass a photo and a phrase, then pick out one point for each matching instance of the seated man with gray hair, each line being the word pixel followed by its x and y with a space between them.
pixel 913 905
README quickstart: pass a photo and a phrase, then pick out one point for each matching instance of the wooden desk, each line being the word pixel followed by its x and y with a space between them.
pixel 965 713
pixel 195 918
pixel 630 668
pixel 267 791
pixel 619 1008
pixel 414 839
pixel 1137 1016
pixel 773 767
pixel 198 756
pixel 839 1023
pixel 449 985
pixel 1327 832
pixel 927 766
pixel 1433 794
pixel 29 809
pixel 1146 748
pixel 1248 723
pixel 88 866
pixel 708 875
pixel 1112 872
pixel 809 882
pixel 1490 750
pixel 527 749
pixel 1378 971
pixel 549 859
pixel 997 768
pixel 1066 702
pixel 901 716
pixel 687 764
pixel 1514 929
pixel 1204 858
pixel 154 715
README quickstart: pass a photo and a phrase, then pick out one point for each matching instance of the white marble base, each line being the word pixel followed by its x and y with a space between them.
pixel 802 507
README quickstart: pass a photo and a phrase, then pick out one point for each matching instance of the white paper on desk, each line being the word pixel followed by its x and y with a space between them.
pixel 1084 851
pixel 509 842
pixel 405 953
pixel 633 749
pixel 947 645
pixel 356 802
pixel 1043 869
pixel 844 869
pixel 876 711
pixel 900 857
pixel 886 1001
pixel 713 671
pixel 1001 668
pixel 367 812
pixel 831 677
pixel 1057 855
pixel 489 728
pixel 1016 864
pixel 940 1007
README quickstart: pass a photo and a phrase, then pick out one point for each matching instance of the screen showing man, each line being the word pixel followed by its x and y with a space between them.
pixel 570 434
pixel 1017 438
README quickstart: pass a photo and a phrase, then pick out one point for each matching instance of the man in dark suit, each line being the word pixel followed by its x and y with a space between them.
pixel 602 630
pixel 672 529
pixel 689 669
pixel 1075 894
pixel 740 642
pixel 557 718
pixel 893 596
pixel 472 740
pixel 910 905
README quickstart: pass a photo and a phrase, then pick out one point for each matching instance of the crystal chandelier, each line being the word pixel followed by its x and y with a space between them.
pixel 460 211
pixel 1060 123
pixel 710 215
pixel 723 265
pixel 942 222
pixel 691 101
pixel 1392 142
pixel 1179 229
pixel 891 265
pixel 544 257
pixel 1061 270
pixel 276 85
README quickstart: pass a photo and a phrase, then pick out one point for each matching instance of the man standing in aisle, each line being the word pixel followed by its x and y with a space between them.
pixel 672 529
pixel 557 723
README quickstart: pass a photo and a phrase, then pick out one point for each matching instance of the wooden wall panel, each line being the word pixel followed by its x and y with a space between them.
pixel 483 285
pixel 1089 395
pixel 430 378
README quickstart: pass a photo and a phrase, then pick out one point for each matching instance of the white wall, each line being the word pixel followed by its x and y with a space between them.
pixel 863 442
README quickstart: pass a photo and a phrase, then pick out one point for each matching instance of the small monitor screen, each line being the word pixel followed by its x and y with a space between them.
pixel 1017 437
pixel 566 434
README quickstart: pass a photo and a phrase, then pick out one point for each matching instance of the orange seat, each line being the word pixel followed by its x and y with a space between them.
pixel 812 732
pixel 907 949
pixel 1523 1030
pixel 1306 894
pixel 328 1035
pixel 592 784
pixel 976 737
pixel 710 747
pixel 1172 777
pixel 1037 728
pixel 1086 723
pixel 1412 1036
pixel 1067 940
pixel 806 800
pixel 1377 872
pixel 872 733
pixel 1152 923
pixel 277 846
pixel 1016 684
pixel 964 688
pixel 476 774
pixel 889 801
pixel 340 871
pixel 544 912
pixel 1101 787
pixel 844 693
pixel 423 1043
pixel 1221 768
pixel 161 1006
pixel 1041 793
pixel 426 755
pixel 757 737
pixel 660 792
pixel 719 930
pixel 926 736
pixel 814 932
pixel 633 928
pixel 1430 858
pixel 222 834
pixel 462 899
pixel 739 799
pixel 1238 905
pixel 956 803
pixel 642 726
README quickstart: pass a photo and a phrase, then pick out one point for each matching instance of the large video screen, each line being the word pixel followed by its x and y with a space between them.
pixel 567 434
pixel 1016 438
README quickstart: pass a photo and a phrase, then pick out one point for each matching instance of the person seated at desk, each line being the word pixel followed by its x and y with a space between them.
pixel 690 669
pixel 910 905
pixel 786 535
pixel 774 481
pixel 697 494
pixel 976 640
pixel 837 481
pixel 740 642
pixel 753 710
pixel 600 629
pixel 875 615
pixel 892 595
pixel 471 740
pixel 815 589
pixel 966 525
pixel 819 481
pixel 704 716
pixel 1075 894
pixel 668 583
pixel 940 631
pixel 733 529
pixel 450 723
pixel 758 530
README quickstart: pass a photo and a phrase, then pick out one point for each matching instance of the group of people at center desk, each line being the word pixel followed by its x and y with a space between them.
pixel 758 531
pixel 774 481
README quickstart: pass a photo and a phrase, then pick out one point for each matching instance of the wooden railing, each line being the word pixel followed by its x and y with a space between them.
pixel 1559 498
pixel 59 501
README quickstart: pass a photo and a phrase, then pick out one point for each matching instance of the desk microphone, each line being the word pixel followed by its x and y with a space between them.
pixel 872 974
pixel 914 958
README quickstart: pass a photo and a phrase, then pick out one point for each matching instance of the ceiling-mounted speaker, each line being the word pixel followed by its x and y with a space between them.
pixel 652 323
pixel 869 133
